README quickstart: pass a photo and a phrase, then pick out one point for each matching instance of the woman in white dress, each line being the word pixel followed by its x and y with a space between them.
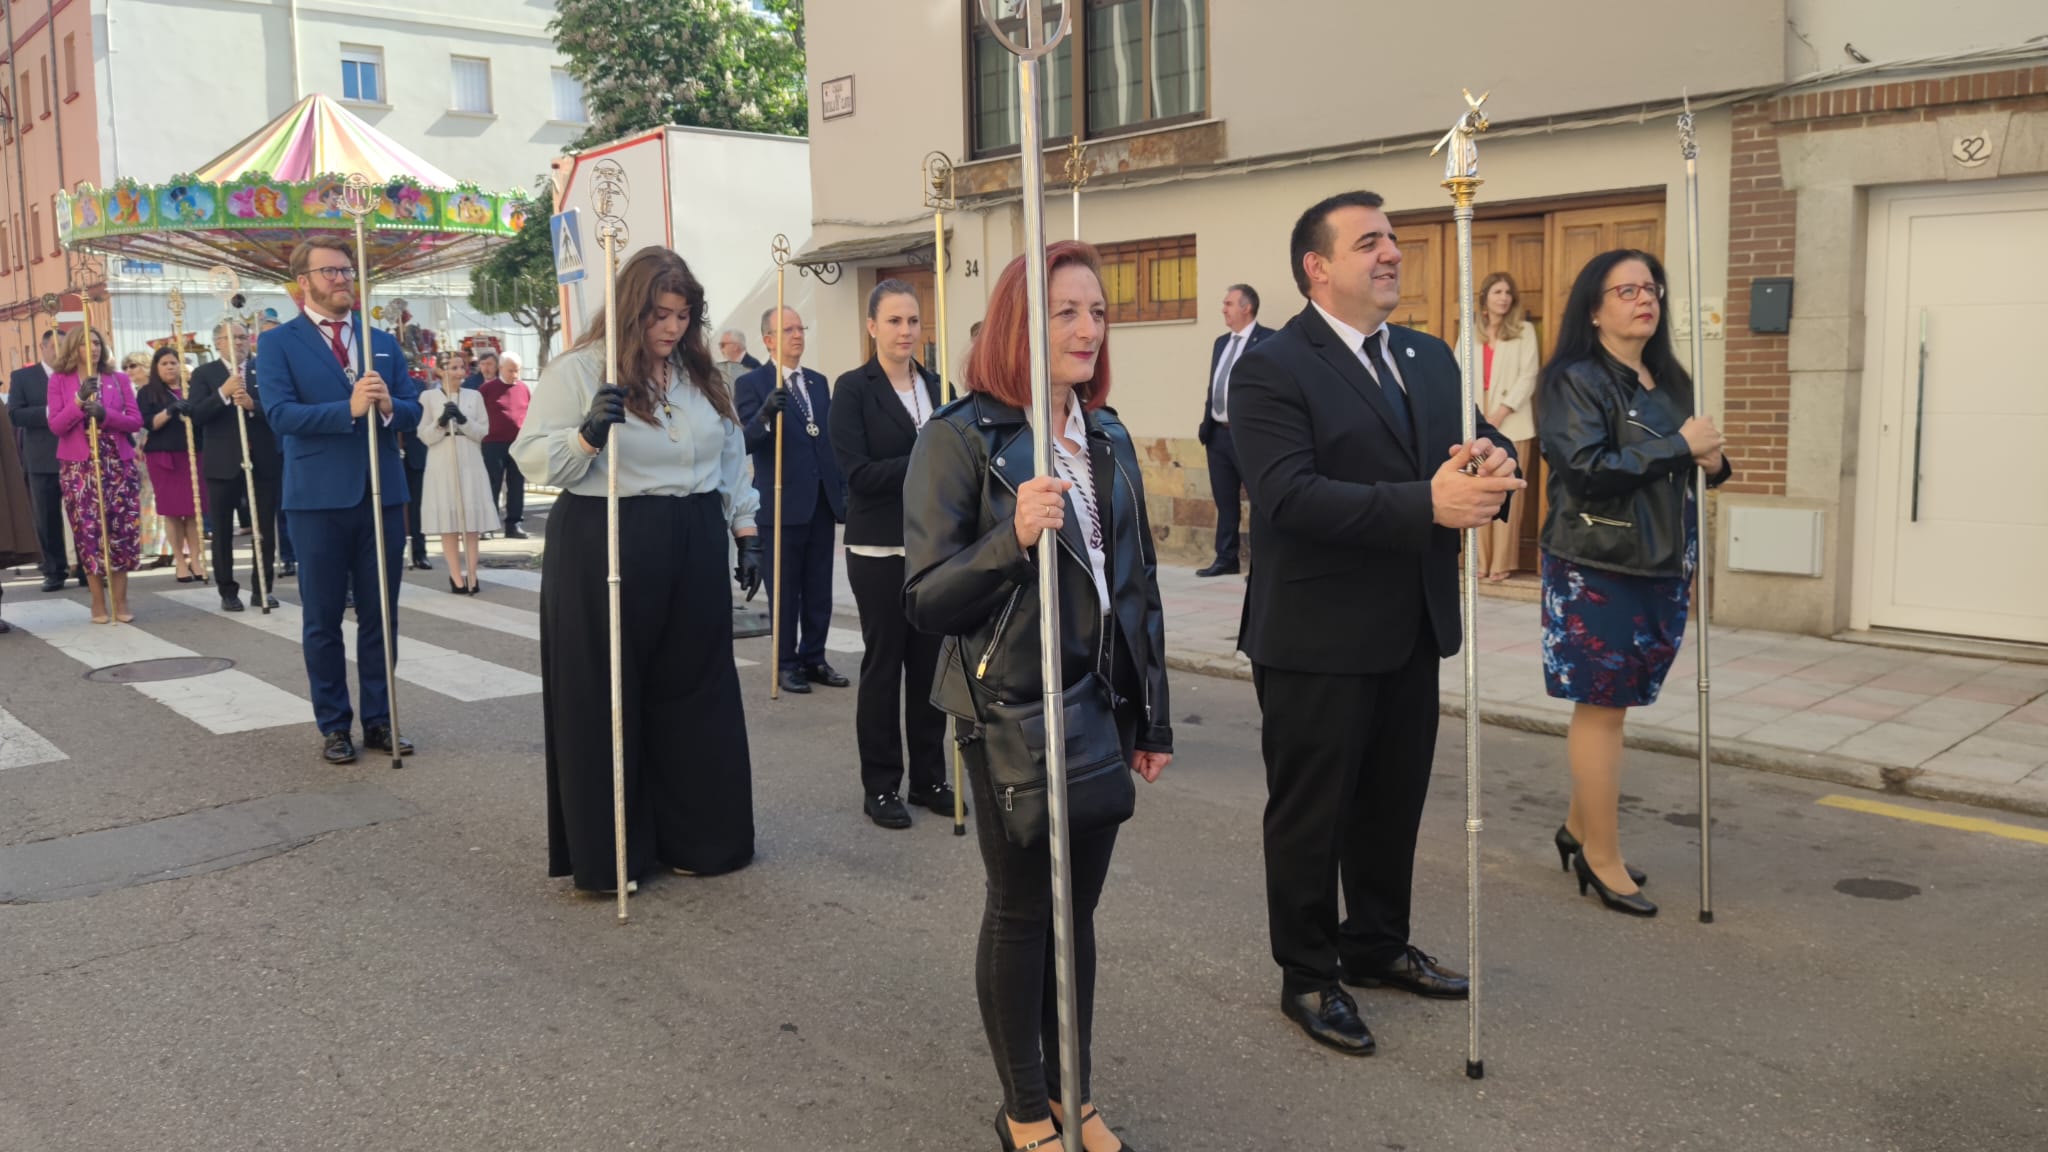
pixel 458 505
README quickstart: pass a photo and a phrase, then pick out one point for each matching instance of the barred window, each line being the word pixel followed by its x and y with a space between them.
pixel 1150 279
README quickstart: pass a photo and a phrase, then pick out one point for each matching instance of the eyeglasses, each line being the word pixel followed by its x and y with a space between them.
pixel 333 275
pixel 794 330
pixel 1632 292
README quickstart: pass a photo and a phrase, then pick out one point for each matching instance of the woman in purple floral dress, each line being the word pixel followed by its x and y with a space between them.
pixel 83 396
pixel 1615 418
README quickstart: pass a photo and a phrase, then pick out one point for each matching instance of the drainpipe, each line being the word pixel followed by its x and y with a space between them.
pixel 291 20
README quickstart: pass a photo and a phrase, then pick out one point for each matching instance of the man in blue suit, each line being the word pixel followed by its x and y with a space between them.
pixel 323 422
pixel 813 496
pixel 1241 317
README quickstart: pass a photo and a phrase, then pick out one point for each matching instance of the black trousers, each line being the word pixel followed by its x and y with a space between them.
pixel 46 501
pixel 805 612
pixel 503 470
pixel 689 780
pixel 896 666
pixel 1347 771
pixel 234 494
pixel 416 486
pixel 1225 481
pixel 1013 966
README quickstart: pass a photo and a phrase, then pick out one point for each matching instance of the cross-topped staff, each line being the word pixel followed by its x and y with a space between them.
pixel 1036 45
pixel 1076 166
pixel 778 251
pixel 1688 144
pixel 359 198
pixel 175 300
pixel 228 286
pixel 611 196
pixel 939 197
pixel 1461 178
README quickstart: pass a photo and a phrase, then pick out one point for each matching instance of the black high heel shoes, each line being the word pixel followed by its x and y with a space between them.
pixel 1634 904
pixel 1568 847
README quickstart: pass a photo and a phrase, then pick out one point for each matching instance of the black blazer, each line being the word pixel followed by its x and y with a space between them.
pixel 872 435
pixel 28 405
pixel 1259 333
pixel 220 449
pixel 1349 561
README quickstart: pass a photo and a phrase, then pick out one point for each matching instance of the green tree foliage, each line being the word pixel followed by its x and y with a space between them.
pixel 519 277
pixel 700 63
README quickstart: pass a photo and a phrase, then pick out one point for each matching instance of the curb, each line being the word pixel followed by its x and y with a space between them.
pixel 1913 782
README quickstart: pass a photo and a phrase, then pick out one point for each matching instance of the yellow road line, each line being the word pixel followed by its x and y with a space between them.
pixel 1938 819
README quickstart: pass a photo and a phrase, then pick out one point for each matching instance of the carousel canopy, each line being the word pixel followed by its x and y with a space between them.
pixel 250 206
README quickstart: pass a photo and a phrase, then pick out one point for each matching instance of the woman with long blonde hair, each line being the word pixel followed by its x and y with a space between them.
pixel 1510 355
pixel 104 505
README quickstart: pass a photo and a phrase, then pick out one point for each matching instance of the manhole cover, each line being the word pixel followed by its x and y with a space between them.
pixel 172 668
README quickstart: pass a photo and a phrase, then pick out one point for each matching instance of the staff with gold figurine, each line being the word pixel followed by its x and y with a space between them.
pixel 93 413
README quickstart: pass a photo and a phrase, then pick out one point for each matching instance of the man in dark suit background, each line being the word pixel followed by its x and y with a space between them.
pixel 1241 319
pixel 322 422
pixel 1349 431
pixel 813 496
pixel 218 390
pixel 28 405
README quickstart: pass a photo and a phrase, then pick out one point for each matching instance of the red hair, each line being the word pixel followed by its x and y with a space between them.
pixel 1000 363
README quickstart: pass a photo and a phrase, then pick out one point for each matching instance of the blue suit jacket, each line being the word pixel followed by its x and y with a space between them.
pixel 305 398
pixel 807 461
pixel 1259 332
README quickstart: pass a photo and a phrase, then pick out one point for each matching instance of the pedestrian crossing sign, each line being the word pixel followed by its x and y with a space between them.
pixel 568 247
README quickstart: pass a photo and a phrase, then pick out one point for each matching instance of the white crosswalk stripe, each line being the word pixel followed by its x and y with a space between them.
pixel 525 579
pixel 482 612
pixel 230 701
pixel 21 746
pixel 429 666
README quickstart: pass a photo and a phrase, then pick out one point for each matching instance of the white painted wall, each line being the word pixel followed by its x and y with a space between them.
pixel 1887 32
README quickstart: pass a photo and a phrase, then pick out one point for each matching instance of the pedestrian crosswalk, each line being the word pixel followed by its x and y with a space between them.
pixel 22 746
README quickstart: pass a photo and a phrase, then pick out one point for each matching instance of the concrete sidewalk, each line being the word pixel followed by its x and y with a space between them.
pixel 1917 723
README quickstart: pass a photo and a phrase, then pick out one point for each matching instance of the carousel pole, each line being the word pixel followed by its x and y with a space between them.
pixel 229 285
pixel 778 250
pixel 1702 603
pixel 610 200
pixel 359 199
pixel 1035 45
pixel 938 179
pixel 176 302
pixel 1461 178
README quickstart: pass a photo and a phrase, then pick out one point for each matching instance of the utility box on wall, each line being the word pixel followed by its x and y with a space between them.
pixel 1770 304
pixel 1779 541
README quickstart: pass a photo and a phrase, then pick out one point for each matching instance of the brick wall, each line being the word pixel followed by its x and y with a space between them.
pixel 1757 396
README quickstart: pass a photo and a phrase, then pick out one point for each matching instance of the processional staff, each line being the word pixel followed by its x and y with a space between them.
pixel 610 200
pixel 1689 145
pixel 939 197
pixel 1461 178
pixel 176 302
pixel 1036 45
pixel 228 286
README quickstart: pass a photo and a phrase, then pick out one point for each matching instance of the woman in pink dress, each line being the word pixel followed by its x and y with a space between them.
pixel 86 395
pixel 167 452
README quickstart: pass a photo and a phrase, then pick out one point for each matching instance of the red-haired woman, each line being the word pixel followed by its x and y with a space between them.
pixel 972 516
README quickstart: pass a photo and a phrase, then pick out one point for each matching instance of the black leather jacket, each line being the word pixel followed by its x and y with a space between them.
pixel 970 582
pixel 1618 469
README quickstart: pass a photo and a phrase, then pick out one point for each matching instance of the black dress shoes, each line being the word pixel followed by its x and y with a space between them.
pixel 1330 1018
pixel 794 682
pixel 378 739
pixel 1219 568
pixel 938 799
pixel 514 532
pixel 231 603
pixel 1416 971
pixel 271 602
pixel 1568 846
pixel 887 810
pixel 290 570
pixel 337 748
pixel 1631 904
pixel 823 673
pixel 53 583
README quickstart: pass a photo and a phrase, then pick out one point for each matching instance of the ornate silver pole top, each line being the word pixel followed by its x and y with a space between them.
pixel 938 182
pixel 359 197
pixel 610 197
pixel 1687 142
pixel 225 283
pixel 994 12
pixel 176 300
pixel 1077 162
pixel 1461 160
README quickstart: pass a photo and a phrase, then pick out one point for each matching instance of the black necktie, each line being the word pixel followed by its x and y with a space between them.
pixel 1397 398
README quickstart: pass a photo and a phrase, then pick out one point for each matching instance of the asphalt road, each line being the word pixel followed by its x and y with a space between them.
pixel 214 942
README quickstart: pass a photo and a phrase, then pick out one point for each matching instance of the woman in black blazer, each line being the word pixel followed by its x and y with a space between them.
pixel 877 411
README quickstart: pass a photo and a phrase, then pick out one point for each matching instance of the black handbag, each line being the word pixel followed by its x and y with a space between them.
pixel 1100 793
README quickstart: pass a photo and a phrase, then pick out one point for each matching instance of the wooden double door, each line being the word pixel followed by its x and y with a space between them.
pixel 1543 249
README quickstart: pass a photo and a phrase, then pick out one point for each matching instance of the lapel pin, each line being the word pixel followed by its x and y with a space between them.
pixel 1411 353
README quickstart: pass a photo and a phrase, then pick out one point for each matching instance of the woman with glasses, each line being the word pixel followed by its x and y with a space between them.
pixel 1621 440
pixel 683 502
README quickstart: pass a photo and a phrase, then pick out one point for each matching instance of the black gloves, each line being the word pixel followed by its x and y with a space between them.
pixel 607 408
pixel 748 571
pixel 453 412
pixel 94 410
pixel 775 403
pixel 180 409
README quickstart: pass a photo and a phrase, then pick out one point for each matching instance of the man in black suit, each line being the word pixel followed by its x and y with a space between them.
pixel 1241 318
pixel 28 405
pixel 219 389
pixel 1350 435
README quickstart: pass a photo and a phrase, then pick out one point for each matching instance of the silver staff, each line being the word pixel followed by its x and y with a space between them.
pixel 778 251
pixel 1036 46
pixel 1461 177
pixel 1689 145
pixel 229 287
pixel 938 196
pixel 359 198
pixel 609 200
pixel 175 300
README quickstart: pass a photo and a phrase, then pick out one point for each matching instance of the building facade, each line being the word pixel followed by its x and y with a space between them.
pixel 1208 126
pixel 149 89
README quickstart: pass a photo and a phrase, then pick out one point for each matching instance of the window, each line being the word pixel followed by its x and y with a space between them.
pixel 1142 62
pixel 70 67
pixel 1150 279
pixel 43 69
pixel 35 225
pixel 569 98
pixel 362 74
pixel 24 98
pixel 56 238
pixel 470 85
pixel 6 249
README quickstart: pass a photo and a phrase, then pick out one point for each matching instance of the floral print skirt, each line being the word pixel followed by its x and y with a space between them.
pixel 1608 637
pixel 123 483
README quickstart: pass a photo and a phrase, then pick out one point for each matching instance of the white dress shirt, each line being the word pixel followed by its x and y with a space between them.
pixel 1355 339
pixel 348 342
pixel 1219 387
